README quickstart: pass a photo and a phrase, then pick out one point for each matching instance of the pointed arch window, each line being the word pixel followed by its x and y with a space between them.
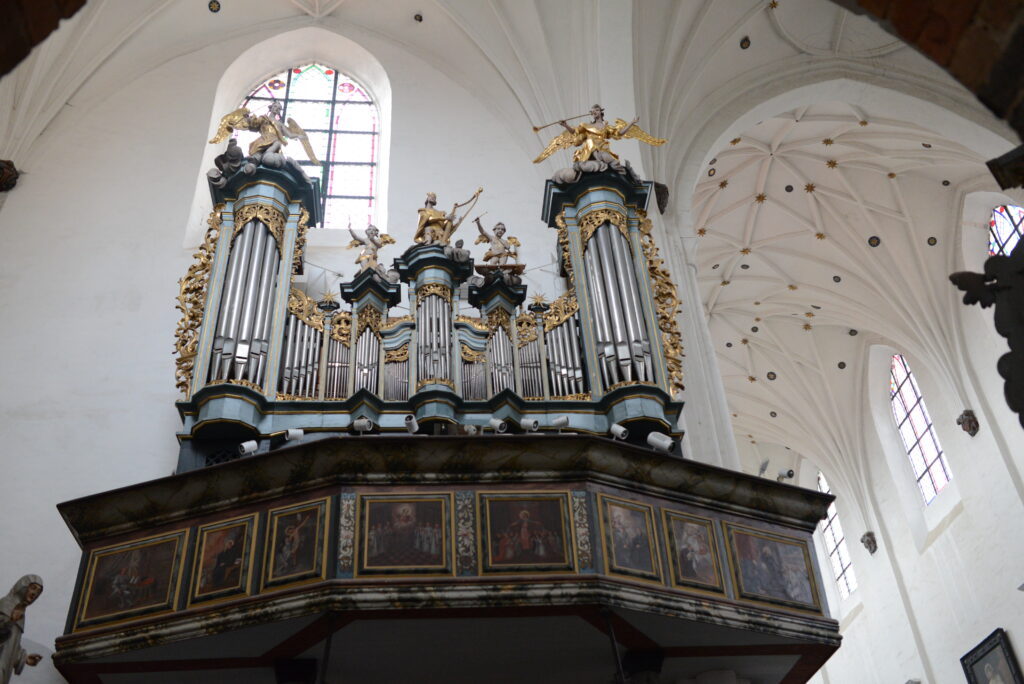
pixel 835 544
pixel 1005 229
pixel 916 429
pixel 343 125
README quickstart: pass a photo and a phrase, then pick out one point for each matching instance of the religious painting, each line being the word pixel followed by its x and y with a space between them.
pixel 772 568
pixel 223 559
pixel 992 661
pixel 525 532
pixel 296 543
pixel 132 579
pixel 631 544
pixel 692 551
pixel 405 534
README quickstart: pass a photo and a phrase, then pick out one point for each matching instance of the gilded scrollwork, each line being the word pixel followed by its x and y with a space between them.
pixel 499 318
pixel 192 302
pixel 397 355
pixel 563 243
pixel 390 324
pixel 526 328
pixel 341 327
pixel 666 302
pixel 368 317
pixel 300 240
pixel 582 396
pixel 597 218
pixel 561 309
pixel 435 381
pixel 264 213
pixel 305 309
pixel 473 322
pixel 438 289
pixel 472 356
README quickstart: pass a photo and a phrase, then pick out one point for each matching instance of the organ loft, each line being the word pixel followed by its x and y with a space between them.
pixel 488 488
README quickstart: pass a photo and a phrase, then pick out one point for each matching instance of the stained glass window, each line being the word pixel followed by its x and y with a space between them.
pixel 1005 229
pixel 915 427
pixel 343 126
pixel 835 544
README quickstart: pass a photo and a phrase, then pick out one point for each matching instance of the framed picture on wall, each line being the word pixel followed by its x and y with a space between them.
pixel 223 559
pixel 692 551
pixel 992 661
pixel 526 532
pixel 405 534
pixel 771 568
pixel 296 544
pixel 631 543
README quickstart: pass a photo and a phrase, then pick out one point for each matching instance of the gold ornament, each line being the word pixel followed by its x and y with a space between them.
pixel 499 318
pixel 473 322
pixel 368 317
pixel 392 323
pixel 341 327
pixel 434 289
pixel 563 242
pixel 435 381
pixel 300 240
pixel 397 355
pixel 305 309
pixel 597 218
pixel 472 356
pixel 666 301
pixel 265 214
pixel 192 302
pixel 560 311
pixel 582 396
pixel 526 329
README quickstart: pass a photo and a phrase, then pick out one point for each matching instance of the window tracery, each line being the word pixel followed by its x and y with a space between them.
pixel 343 125
pixel 1006 228
pixel 916 429
pixel 835 545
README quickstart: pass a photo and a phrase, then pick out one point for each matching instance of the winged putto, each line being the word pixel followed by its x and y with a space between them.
pixel 274 134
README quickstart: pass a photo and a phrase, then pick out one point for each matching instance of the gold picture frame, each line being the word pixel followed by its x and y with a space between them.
pixel 132 579
pixel 224 558
pixel 693 557
pixel 295 544
pixel 771 569
pixel 630 537
pixel 405 535
pixel 525 532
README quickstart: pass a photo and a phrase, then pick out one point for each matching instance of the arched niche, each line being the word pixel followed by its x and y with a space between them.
pixel 285 50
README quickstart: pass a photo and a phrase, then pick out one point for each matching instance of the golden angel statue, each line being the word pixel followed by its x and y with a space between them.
pixel 274 135
pixel 371 242
pixel 500 248
pixel 593 153
pixel 436 227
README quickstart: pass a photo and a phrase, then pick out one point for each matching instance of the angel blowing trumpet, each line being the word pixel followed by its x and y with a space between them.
pixel 274 135
pixel 593 153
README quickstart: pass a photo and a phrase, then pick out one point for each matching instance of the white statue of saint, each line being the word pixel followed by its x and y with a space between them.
pixel 13 658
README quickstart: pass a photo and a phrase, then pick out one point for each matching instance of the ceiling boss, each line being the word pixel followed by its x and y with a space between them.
pixel 591 138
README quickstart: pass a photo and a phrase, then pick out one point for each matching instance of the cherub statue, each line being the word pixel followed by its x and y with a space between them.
pixel 371 242
pixel 593 152
pixel 274 135
pixel 436 227
pixel 501 248
pixel 13 658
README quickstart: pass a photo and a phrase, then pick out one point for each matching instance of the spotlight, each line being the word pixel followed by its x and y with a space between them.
pixel 529 424
pixel 471 429
pixel 498 425
pixel 293 435
pixel 659 441
pixel 619 431
pixel 560 422
pixel 785 474
pixel 362 425
pixel 411 426
pixel 248 448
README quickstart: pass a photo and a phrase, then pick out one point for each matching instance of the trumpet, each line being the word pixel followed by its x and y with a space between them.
pixel 537 129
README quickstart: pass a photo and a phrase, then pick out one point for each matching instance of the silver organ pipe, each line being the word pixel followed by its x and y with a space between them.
pixel 220 365
pixel 368 360
pixel 499 353
pixel 243 334
pixel 261 330
pixel 624 350
pixel 433 324
pixel 529 357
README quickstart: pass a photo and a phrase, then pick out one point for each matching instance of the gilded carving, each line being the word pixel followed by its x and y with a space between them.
pixel 192 301
pixel 341 327
pixel 300 239
pixel 265 214
pixel 392 323
pixel 582 396
pixel 472 322
pixel 628 383
pixel 666 302
pixel 563 242
pixel 438 289
pixel 560 311
pixel 499 318
pixel 368 317
pixel 397 355
pixel 472 356
pixel 597 218
pixel 435 381
pixel 243 383
pixel 526 329
pixel 305 309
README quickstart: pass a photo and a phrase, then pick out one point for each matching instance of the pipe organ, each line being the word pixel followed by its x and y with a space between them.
pixel 605 350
